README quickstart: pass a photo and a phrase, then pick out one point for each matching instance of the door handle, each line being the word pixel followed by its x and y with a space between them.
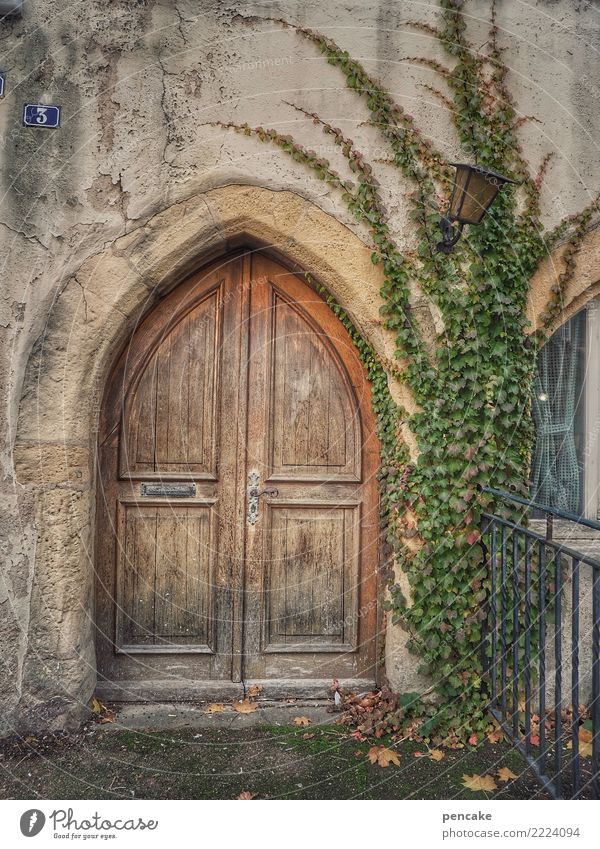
pixel 254 494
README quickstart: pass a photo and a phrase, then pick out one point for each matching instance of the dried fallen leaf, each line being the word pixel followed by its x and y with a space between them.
pixel 215 708
pixel 254 691
pixel 246 794
pixel 505 774
pixel 585 743
pixel 473 740
pixel 479 783
pixel 382 756
pixel 95 705
pixel 302 721
pixel 109 716
pixel 245 706
pixel 307 736
pixel 436 755
pixel 496 735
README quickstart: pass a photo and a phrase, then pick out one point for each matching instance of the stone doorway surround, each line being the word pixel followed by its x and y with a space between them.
pixel 54 452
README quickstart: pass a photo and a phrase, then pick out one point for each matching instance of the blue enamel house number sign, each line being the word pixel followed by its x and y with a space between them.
pixel 40 115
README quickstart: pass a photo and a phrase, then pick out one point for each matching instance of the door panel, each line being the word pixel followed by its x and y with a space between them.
pixel 169 515
pixel 164 579
pixel 313 560
pixel 315 426
pixel 171 422
pixel 311 554
pixel 241 374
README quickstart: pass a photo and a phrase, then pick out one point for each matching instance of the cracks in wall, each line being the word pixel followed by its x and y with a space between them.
pixel 108 108
pixel 181 22
pixel 166 114
pixel 83 295
pixel 30 238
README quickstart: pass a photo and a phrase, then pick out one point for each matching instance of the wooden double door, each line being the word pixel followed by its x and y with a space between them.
pixel 237 507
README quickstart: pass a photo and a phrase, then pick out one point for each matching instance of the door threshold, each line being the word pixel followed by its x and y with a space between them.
pixel 167 691
pixel 186 690
pixel 164 716
pixel 306 688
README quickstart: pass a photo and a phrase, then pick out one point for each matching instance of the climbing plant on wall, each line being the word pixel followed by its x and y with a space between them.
pixel 472 390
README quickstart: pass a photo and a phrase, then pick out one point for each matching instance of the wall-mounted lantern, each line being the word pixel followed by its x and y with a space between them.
pixel 473 193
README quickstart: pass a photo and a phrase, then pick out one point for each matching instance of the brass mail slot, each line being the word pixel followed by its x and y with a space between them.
pixel 169 490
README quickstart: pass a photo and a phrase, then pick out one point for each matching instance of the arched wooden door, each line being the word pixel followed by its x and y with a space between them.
pixel 237 507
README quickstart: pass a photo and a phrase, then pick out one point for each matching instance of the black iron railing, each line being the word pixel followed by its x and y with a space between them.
pixel 552 717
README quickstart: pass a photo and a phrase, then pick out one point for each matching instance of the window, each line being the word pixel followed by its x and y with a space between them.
pixel 565 402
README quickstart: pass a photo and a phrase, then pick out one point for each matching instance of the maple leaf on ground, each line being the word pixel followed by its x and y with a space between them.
pixel 215 708
pixel 479 783
pixel 585 743
pixel 101 713
pixel 382 756
pixel 496 735
pixel 254 691
pixel 505 774
pixel 302 721
pixel 307 736
pixel 246 794
pixel 436 755
pixel 245 706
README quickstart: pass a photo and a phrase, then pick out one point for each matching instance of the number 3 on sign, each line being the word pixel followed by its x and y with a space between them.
pixel 40 115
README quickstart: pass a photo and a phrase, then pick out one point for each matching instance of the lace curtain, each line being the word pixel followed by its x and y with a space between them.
pixel 557 392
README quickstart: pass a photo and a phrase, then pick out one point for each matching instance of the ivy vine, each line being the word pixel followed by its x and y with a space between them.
pixel 473 426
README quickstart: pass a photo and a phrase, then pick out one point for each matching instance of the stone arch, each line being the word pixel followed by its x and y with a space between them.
pixel 584 286
pixel 96 311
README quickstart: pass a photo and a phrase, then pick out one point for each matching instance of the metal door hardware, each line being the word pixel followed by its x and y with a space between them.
pixel 254 494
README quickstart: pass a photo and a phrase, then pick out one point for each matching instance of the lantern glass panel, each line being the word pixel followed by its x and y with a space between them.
pixel 481 191
pixel 461 184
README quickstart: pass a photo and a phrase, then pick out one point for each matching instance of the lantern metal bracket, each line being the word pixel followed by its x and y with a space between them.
pixel 450 236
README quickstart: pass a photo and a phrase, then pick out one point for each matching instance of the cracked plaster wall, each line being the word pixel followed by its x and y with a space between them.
pixel 84 249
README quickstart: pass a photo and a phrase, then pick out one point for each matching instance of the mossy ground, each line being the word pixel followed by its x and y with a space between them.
pixel 220 763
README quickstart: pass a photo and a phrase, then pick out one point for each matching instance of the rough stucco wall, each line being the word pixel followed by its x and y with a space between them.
pixel 138 83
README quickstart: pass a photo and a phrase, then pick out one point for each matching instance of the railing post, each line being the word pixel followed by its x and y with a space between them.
pixel 575 677
pixel 485 625
pixel 542 654
pixel 596 684
pixel 503 616
pixel 558 672
pixel 527 664
pixel 515 634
